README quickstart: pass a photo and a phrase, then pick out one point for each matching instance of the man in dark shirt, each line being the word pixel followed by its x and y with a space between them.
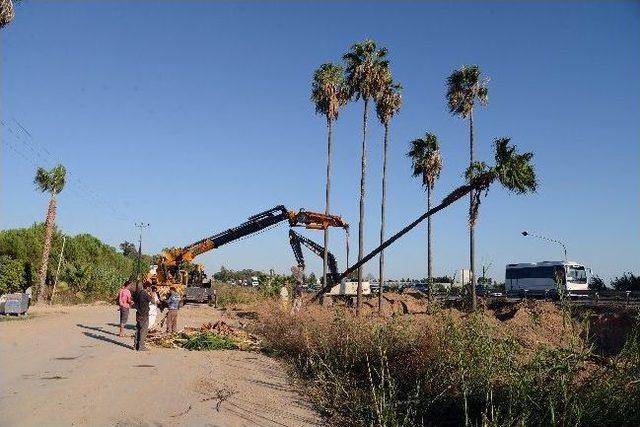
pixel 142 299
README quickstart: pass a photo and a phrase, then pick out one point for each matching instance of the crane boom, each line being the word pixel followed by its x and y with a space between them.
pixel 296 240
pixel 254 224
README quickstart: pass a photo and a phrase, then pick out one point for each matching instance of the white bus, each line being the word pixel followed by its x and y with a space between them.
pixel 545 276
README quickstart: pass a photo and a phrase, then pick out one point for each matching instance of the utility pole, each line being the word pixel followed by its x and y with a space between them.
pixel 55 282
pixel 141 226
pixel 564 248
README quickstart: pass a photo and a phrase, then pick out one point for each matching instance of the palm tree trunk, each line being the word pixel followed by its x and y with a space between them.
pixel 362 193
pixel 327 202
pixel 383 205
pixel 46 248
pixel 472 255
pixel 429 256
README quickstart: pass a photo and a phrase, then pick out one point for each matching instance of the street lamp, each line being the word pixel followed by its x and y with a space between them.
pixel 526 233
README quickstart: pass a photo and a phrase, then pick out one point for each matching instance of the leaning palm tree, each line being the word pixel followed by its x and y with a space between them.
pixel 51 181
pixel 367 73
pixel 464 87
pixel 387 105
pixel 513 170
pixel 328 95
pixel 426 162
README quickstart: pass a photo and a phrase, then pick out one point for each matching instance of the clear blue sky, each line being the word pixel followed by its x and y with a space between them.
pixel 194 115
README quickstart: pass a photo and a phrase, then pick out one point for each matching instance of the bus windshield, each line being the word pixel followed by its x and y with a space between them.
pixel 576 274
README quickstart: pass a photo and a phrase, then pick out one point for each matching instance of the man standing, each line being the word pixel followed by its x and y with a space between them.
pixel 173 303
pixel 124 302
pixel 142 299
pixel 297 298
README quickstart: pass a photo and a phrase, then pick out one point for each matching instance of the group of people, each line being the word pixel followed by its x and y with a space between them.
pixel 146 300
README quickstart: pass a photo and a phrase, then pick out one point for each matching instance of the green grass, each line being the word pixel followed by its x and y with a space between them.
pixel 206 341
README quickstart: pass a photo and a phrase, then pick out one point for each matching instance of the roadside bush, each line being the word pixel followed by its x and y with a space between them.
pixel 229 295
pixel 92 269
pixel 450 369
pixel 14 275
pixel 627 282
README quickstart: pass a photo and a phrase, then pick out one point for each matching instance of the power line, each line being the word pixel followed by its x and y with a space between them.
pixel 44 156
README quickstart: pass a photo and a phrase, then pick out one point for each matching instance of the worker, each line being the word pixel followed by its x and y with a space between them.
pixel 297 297
pixel 284 296
pixel 153 306
pixel 141 299
pixel 29 293
pixel 172 315
pixel 124 304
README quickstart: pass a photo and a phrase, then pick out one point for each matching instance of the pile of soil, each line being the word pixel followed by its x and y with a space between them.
pixel 533 323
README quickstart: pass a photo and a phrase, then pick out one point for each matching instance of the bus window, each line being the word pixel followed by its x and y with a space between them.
pixel 576 274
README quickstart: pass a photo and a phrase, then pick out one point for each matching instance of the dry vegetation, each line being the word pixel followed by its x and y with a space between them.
pixel 529 364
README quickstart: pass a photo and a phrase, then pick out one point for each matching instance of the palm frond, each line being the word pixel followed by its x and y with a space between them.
pixel 367 70
pixel 426 159
pixel 328 90
pixel 514 170
pixel 388 103
pixel 52 181
pixel 6 12
pixel 465 86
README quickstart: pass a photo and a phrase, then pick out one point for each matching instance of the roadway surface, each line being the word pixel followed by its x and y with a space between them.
pixel 66 366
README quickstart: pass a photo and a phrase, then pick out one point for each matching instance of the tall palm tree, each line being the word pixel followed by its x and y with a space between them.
pixel 426 162
pixel 328 95
pixel 367 72
pixel 51 181
pixel 387 105
pixel 513 170
pixel 464 87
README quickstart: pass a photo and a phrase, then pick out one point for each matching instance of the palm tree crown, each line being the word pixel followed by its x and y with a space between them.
pixel 515 172
pixel 388 102
pixel 426 159
pixel 328 91
pixel 367 70
pixel 50 181
pixel 464 87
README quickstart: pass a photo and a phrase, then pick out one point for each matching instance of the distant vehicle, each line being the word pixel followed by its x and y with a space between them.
pixel 421 287
pixel 16 303
pixel 200 292
pixel 349 289
pixel 547 276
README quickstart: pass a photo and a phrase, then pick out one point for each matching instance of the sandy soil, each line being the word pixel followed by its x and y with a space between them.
pixel 67 366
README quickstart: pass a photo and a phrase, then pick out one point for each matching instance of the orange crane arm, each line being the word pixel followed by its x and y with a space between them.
pixel 254 224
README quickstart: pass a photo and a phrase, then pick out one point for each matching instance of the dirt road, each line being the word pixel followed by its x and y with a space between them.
pixel 67 366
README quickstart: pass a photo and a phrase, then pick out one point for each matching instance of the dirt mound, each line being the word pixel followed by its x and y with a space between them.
pixel 609 328
pixel 533 323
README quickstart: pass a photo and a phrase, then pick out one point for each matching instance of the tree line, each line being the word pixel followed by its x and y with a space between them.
pixel 90 269
pixel 366 75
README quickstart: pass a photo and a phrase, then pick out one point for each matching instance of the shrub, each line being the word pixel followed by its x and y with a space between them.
pixel 450 369
pixel 628 282
pixel 229 295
